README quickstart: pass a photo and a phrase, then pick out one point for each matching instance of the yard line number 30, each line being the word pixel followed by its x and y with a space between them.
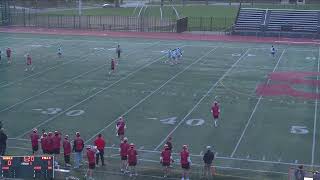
pixel 53 111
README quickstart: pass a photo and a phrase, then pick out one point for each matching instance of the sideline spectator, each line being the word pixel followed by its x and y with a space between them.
pixel 124 146
pixel 78 145
pixel 165 160
pixel 121 126
pixel 43 142
pixel 3 142
pixel 49 143
pixel 132 160
pixel 56 145
pixel 185 162
pixel 299 173
pixel 67 150
pixel 34 141
pixel 101 144
pixel 91 153
pixel 208 157
pixel 169 143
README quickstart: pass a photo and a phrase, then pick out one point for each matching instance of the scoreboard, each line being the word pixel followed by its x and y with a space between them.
pixel 25 167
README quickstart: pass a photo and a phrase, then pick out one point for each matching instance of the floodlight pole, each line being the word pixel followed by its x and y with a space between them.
pixel 80 7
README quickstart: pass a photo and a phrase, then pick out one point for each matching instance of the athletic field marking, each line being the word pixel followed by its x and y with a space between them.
pixel 224 167
pixel 225 158
pixel 168 44
pixel 254 109
pixel 52 88
pixel 152 92
pixel 192 155
pixel 93 95
pixel 61 84
pixel 203 97
pixel 315 116
pixel 46 70
pixel 115 156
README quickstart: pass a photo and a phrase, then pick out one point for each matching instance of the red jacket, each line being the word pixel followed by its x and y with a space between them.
pixel 124 149
pixel 100 143
pixel 34 139
pixel 56 142
pixel 78 144
pixel 49 143
pixel 166 156
pixel 91 156
pixel 132 155
pixel 66 147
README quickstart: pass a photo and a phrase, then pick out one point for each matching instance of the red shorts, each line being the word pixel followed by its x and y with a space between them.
pixel 29 62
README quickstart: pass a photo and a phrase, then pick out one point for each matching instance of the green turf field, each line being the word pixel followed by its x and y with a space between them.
pixel 258 137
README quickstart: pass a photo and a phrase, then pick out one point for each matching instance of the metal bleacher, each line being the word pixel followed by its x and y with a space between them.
pixel 250 19
pixel 298 20
pixel 271 22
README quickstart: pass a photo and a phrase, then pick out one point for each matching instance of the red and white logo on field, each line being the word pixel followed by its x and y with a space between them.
pixel 283 83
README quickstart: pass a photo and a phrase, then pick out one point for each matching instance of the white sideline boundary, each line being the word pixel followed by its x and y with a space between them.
pixel 67 81
pixel 192 155
pixel 254 109
pixel 203 97
pixel 191 45
pixel 93 95
pixel 153 92
pixel 315 116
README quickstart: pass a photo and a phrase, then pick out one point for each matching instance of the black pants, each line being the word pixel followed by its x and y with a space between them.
pixel 118 52
pixel 67 159
pixel 101 154
pixel 3 149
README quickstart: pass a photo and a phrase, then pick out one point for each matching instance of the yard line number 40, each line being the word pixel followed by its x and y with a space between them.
pixel 190 122
pixel 199 122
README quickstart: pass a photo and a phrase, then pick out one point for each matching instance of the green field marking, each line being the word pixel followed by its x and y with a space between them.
pixel 168 101
pixel 280 116
pixel 315 115
pixel 234 109
pixel 63 83
pixel 129 90
pixel 202 98
pixel 57 64
pixel 152 92
pixel 74 92
pixel 148 63
pixel 254 110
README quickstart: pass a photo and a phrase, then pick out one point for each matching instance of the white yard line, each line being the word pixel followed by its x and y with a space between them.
pixel 153 92
pixel 227 158
pixel 315 115
pixel 46 70
pixel 192 155
pixel 255 108
pixel 92 96
pixel 203 97
pixel 65 82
